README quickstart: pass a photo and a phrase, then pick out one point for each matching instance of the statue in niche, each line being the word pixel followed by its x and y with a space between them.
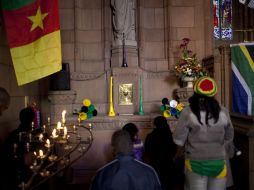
pixel 124 21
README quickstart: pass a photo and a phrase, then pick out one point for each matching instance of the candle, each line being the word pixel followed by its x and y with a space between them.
pixel 48 120
pixel 54 135
pixel 32 126
pixel 48 143
pixel 59 126
pixel 30 137
pixel 44 128
pixel 65 132
pixel 41 155
pixel 74 128
pixel 27 147
pixel 63 116
pixel 40 137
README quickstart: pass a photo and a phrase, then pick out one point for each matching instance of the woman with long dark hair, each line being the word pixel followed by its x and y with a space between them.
pixel 204 129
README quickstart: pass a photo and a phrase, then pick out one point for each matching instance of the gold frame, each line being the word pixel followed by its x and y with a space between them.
pixel 125 94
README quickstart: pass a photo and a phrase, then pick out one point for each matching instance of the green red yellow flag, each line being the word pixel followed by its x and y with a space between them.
pixel 33 33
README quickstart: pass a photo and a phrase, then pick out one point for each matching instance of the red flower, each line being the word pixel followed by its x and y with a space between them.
pixel 186 40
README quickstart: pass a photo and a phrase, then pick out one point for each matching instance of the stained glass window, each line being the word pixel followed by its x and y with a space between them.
pixel 222 13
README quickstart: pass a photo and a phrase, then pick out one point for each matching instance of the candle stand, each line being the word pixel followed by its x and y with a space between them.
pixel 51 149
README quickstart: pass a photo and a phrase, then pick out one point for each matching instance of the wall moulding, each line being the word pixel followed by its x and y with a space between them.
pixel 78 76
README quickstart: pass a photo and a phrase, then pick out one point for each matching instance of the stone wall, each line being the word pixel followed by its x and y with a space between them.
pixel 87 41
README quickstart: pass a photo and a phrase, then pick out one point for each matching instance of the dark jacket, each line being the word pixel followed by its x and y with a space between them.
pixel 159 152
pixel 126 173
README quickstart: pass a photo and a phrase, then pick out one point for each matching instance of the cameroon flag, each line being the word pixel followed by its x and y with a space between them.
pixel 33 33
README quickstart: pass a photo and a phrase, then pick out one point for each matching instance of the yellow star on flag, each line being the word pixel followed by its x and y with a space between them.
pixel 37 19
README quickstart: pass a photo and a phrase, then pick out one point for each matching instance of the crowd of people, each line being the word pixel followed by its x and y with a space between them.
pixel 192 157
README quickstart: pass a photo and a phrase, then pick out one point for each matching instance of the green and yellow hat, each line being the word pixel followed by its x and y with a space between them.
pixel 205 86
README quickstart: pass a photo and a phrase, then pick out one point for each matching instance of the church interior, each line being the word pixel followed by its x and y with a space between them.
pixel 125 75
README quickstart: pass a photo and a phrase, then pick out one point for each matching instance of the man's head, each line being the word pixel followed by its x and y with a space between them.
pixel 4 100
pixel 121 142
pixel 26 116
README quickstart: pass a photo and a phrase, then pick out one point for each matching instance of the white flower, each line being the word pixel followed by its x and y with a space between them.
pixel 189 71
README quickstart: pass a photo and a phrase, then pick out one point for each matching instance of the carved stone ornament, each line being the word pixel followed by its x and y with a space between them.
pixel 62 97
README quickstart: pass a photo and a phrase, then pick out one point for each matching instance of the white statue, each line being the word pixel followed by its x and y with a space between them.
pixel 124 21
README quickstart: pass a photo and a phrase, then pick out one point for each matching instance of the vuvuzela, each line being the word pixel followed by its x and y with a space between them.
pixel 141 108
pixel 111 106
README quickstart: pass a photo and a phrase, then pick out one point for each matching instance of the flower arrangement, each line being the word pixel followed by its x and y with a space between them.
pixel 87 110
pixel 187 65
pixel 172 108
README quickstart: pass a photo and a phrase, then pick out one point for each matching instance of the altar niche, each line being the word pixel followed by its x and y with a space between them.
pixel 126 90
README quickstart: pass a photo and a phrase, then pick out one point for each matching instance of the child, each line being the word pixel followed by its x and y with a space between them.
pixel 138 146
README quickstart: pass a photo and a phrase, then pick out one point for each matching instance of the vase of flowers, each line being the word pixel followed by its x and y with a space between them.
pixel 187 68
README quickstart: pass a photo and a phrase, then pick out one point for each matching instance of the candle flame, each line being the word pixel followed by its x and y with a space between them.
pixel 48 142
pixel 63 116
pixel 41 153
pixel 40 137
pixel 54 133
pixel 59 125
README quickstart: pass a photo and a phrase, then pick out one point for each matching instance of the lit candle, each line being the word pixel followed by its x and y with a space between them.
pixel 44 128
pixel 27 146
pixel 40 137
pixel 74 128
pixel 32 126
pixel 59 126
pixel 48 143
pixel 54 135
pixel 65 132
pixel 41 155
pixel 63 116
pixel 48 120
